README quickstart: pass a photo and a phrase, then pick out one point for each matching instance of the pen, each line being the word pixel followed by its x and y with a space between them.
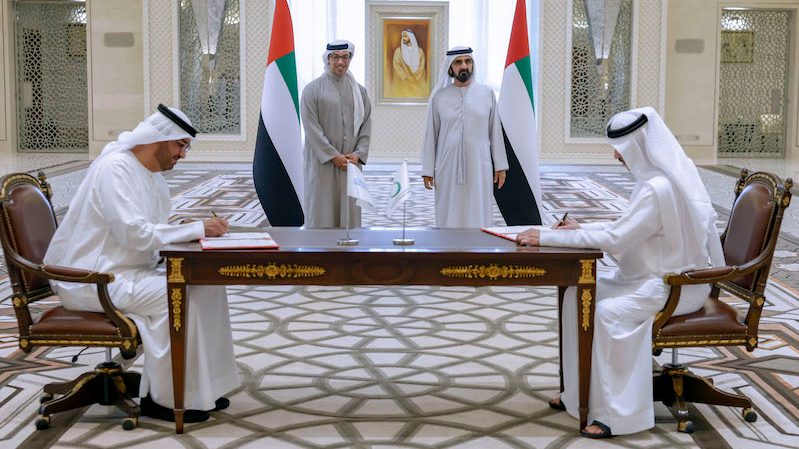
pixel 563 220
pixel 216 216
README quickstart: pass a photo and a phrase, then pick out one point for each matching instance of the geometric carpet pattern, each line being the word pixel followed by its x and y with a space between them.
pixel 410 366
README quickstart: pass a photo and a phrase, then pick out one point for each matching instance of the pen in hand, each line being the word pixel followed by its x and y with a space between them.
pixel 562 221
pixel 217 216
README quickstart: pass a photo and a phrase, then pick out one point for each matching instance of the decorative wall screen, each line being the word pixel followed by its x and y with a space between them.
pixel 753 81
pixel 601 58
pixel 210 81
pixel 52 93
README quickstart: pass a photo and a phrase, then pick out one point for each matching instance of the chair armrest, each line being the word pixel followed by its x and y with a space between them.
pixel 718 274
pixel 703 276
pixel 67 274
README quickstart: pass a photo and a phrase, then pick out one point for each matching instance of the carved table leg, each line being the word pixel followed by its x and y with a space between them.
pixel 178 305
pixel 586 294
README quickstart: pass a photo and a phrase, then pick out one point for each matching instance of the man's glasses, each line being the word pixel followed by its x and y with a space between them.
pixel 185 145
pixel 336 57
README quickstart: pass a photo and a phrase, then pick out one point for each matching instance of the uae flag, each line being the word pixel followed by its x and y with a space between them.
pixel 277 166
pixel 519 198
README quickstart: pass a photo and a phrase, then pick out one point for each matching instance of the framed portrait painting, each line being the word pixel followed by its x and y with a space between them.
pixel 407 39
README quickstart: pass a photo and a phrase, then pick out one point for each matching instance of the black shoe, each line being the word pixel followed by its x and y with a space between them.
pixel 557 404
pixel 221 404
pixel 605 431
pixel 157 411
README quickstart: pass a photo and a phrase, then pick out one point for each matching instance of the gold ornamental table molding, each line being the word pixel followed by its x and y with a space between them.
pixel 271 271
pixel 493 271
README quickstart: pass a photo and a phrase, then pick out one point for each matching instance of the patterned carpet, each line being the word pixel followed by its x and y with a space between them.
pixel 410 367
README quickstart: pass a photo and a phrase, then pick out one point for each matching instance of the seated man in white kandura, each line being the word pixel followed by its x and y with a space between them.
pixel 116 223
pixel 668 227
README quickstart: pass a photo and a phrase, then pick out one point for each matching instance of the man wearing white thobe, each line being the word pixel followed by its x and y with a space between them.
pixel 116 223
pixel 335 113
pixel 668 227
pixel 464 151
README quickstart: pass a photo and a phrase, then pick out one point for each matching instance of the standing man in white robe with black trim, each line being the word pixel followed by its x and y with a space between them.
pixel 117 222
pixel 669 227
pixel 464 151
pixel 335 113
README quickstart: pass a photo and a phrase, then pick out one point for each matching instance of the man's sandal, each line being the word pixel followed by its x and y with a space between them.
pixel 604 434
pixel 557 404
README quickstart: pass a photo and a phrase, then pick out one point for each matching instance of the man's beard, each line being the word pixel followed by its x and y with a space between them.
pixel 462 76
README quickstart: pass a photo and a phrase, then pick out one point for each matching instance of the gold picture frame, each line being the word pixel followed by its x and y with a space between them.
pixel 737 47
pixel 407 41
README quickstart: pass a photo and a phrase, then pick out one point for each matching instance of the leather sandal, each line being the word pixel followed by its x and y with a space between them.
pixel 557 404
pixel 606 433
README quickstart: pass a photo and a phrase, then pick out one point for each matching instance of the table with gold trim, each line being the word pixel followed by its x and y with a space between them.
pixel 462 257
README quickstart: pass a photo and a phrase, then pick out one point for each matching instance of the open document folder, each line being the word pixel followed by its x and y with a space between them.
pixel 510 232
pixel 240 240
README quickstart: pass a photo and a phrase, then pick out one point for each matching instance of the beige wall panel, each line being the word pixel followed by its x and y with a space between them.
pixel 256 24
pixel 691 75
pixel 555 86
pixel 117 68
pixel 692 78
pixel 5 90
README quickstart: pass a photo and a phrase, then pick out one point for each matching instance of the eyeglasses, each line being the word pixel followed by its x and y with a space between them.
pixel 336 57
pixel 185 145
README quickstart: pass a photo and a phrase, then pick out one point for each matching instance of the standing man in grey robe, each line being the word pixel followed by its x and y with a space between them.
pixel 464 150
pixel 335 113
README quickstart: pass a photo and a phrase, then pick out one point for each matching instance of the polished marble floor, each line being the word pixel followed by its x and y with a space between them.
pixel 411 367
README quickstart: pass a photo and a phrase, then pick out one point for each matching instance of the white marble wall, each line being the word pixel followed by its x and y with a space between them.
pixel 554 83
pixel 692 79
pixel 116 69
pixel 127 82
pixel 161 72
pixel 4 78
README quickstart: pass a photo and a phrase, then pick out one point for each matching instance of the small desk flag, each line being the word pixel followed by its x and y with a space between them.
pixel 357 188
pixel 400 189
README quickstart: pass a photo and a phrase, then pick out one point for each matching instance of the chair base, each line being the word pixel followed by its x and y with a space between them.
pixel 675 386
pixel 106 385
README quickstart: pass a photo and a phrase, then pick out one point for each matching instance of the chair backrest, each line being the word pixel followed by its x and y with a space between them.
pixel 754 225
pixel 28 225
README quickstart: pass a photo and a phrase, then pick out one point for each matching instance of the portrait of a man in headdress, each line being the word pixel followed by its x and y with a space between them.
pixel 406 69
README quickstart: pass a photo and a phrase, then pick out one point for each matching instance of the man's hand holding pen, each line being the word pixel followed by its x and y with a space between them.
pixel 566 223
pixel 532 236
pixel 216 226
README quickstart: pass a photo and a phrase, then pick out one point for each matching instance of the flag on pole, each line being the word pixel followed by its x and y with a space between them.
pixel 278 163
pixel 357 188
pixel 400 189
pixel 520 197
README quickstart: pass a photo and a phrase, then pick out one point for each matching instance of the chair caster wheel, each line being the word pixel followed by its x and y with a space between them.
pixel 749 415
pixel 130 423
pixel 685 426
pixel 42 422
pixel 45 397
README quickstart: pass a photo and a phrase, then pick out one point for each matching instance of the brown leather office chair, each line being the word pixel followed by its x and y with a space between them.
pixel 27 224
pixel 749 242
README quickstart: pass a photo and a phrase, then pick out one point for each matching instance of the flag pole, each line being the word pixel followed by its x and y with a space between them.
pixel 348 241
pixel 404 241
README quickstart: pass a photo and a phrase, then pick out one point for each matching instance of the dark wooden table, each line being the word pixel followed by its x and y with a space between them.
pixel 466 257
